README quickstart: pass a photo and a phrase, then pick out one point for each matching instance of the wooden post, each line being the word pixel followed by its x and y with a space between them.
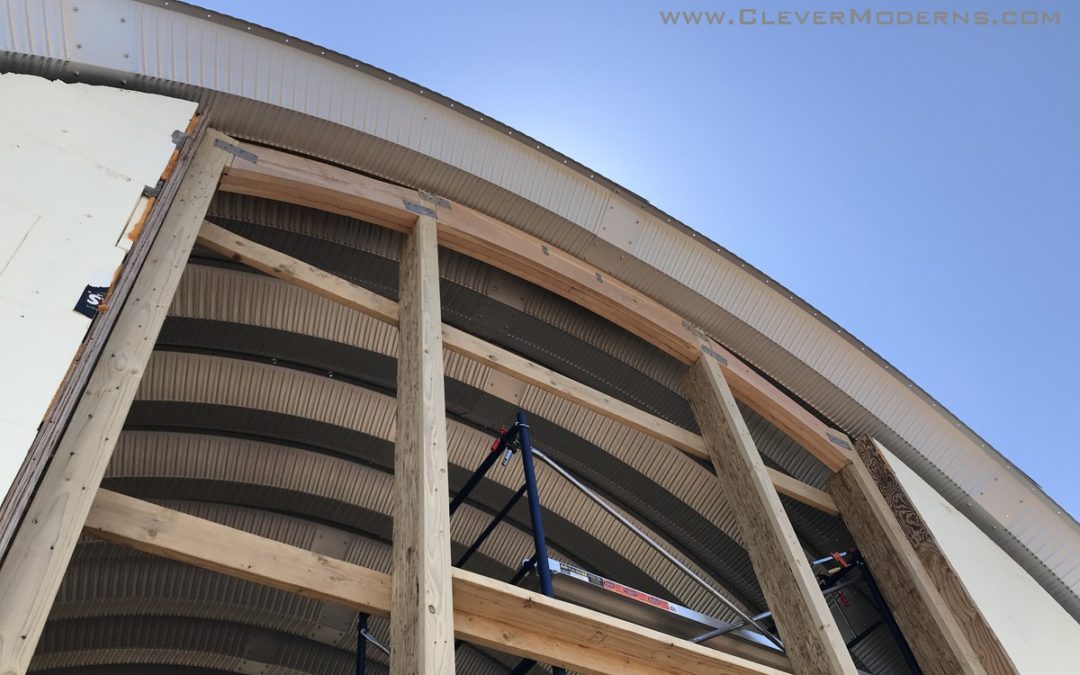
pixel 422 612
pixel 810 635
pixel 935 637
pixel 983 640
pixel 43 544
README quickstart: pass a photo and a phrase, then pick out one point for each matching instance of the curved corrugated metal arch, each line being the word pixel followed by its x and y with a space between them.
pixel 203 379
pixel 374 121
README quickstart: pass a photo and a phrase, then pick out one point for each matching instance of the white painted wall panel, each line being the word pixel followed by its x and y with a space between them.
pixel 73 163
pixel 1035 630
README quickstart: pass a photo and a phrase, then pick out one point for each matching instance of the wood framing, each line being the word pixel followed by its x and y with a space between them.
pixel 487 612
pixel 284 177
pixel 983 640
pixel 18 496
pixel 811 639
pixel 799 491
pixel 43 544
pixel 422 612
pixel 320 282
pixel 934 635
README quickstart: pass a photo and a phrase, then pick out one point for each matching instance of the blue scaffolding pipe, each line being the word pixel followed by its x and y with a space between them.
pixel 504 445
pixel 361 643
pixel 499 517
pixel 525 568
pixel 535 515
pixel 542 567
pixel 505 438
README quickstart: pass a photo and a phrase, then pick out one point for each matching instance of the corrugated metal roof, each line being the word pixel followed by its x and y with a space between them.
pixel 199 430
pixel 213 300
pixel 367 118
pixel 289 95
pixel 415 136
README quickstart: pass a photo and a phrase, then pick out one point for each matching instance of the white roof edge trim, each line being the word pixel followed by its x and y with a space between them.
pixel 534 145
pixel 39 20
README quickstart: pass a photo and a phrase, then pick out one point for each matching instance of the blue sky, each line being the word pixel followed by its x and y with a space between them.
pixel 920 185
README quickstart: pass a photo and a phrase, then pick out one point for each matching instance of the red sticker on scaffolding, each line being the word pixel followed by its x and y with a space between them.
pixel 635 594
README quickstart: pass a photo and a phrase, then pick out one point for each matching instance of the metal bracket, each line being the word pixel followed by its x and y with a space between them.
pixel 838 441
pixel 420 209
pixel 434 199
pixel 236 150
pixel 179 138
pixel 695 329
pixel 150 192
pixel 713 353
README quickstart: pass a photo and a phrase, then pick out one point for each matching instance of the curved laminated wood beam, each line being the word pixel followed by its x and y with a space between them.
pixel 322 283
pixel 487 612
pixel 284 177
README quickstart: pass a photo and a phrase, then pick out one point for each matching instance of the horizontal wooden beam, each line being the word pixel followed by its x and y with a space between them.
pixel 486 612
pixel 297 180
pixel 331 287
pixel 801 492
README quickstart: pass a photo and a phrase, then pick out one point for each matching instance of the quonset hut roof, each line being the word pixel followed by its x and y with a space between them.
pixel 273 89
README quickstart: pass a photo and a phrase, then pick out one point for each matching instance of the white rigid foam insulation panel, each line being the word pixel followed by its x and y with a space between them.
pixel 1039 635
pixel 74 160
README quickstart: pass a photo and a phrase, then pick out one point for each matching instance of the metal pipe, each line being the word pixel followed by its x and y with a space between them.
pixel 491 527
pixel 534 507
pixel 822 561
pixel 375 641
pixel 537 517
pixel 496 449
pixel 886 615
pixel 522 571
pixel 658 548
pixel 361 643
pixel 766 614
pixel 716 632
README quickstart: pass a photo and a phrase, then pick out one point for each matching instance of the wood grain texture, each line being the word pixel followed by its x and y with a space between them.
pixel 322 283
pixel 799 491
pixel 283 177
pixel 934 635
pixel 486 611
pixel 172 534
pixel 422 612
pixel 43 545
pixel 63 404
pixel 811 639
pixel 983 640
pixel 297 272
